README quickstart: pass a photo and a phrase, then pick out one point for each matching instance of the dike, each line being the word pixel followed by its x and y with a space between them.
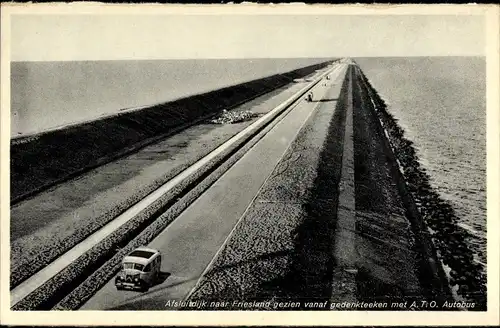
pixel 41 161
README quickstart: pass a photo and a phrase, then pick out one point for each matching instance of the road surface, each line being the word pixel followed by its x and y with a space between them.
pixel 192 240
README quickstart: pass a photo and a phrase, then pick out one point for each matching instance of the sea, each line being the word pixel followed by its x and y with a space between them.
pixel 440 102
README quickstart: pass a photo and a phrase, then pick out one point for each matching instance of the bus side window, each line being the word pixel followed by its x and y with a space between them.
pixel 147 268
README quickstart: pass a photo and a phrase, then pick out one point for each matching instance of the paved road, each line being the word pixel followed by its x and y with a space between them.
pixel 191 241
pixel 68 212
pixel 281 250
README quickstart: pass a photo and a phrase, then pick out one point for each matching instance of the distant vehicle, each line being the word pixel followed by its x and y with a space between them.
pixel 140 269
pixel 309 96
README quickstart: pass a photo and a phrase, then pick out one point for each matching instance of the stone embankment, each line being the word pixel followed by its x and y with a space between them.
pixel 465 276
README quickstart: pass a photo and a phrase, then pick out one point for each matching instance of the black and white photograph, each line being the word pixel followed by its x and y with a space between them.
pixel 290 162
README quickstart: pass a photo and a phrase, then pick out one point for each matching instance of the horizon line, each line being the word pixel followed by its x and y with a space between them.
pixel 247 58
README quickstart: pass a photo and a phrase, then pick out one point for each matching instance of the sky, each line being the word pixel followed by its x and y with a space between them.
pixel 54 37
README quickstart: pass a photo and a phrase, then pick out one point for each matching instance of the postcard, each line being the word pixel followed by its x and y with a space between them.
pixel 249 164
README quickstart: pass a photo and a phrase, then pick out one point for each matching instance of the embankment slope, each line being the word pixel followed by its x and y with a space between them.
pixel 41 161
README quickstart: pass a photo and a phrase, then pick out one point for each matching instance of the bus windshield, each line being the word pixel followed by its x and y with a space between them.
pixel 136 266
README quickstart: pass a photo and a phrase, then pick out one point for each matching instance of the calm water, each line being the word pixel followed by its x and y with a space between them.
pixel 441 104
pixel 45 95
